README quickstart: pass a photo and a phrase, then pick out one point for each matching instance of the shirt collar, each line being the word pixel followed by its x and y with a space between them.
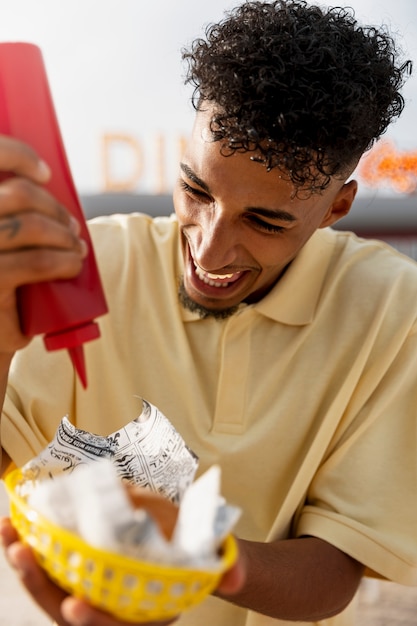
pixel 295 297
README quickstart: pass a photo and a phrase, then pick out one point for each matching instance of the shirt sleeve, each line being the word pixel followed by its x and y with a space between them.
pixel 363 498
pixel 39 394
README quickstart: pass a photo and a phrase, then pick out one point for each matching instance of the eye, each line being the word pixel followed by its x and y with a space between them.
pixel 265 226
pixel 193 191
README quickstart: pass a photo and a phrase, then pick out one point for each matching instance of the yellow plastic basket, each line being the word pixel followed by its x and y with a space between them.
pixel 131 590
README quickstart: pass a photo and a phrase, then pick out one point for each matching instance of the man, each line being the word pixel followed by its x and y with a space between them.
pixel 290 356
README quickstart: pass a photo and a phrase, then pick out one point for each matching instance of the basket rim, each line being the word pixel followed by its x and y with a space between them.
pixel 226 560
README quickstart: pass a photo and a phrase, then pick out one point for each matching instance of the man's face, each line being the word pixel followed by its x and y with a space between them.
pixel 240 224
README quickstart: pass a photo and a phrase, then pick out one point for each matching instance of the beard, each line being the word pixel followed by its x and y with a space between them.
pixel 202 311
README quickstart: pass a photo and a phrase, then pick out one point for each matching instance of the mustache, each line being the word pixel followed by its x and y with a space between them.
pixel 202 311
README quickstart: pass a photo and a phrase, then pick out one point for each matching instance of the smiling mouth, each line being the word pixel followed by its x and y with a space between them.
pixel 216 280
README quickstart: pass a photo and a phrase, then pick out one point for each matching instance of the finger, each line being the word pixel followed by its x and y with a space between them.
pixel 8 533
pixel 21 195
pixel 233 580
pixel 18 158
pixel 31 229
pixel 34 247
pixel 80 613
pixel 38 265
pixel 44 592
pixel 65 610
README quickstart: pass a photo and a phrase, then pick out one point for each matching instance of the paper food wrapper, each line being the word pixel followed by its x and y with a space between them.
pixel 76 483
pixel 148 452
pixel 92 503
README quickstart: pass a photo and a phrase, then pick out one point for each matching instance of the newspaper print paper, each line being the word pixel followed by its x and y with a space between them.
pixel 148 452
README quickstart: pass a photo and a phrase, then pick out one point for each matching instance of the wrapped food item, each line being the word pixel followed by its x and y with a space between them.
pixel 120 520
pixel 109 514
pixel 118 492
pixel 148 452
pixel 95 504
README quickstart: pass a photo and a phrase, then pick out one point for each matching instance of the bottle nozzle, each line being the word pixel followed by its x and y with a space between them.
pixel 73 339
pixel 77 357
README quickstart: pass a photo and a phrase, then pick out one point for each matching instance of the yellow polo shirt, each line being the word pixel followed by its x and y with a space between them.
pixel 307 399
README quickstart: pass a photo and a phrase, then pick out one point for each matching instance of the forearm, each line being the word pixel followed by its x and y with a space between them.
pixel 303 579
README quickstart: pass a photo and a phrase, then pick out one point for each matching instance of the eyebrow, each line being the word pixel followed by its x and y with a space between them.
pixel 274 214
pixel 193 176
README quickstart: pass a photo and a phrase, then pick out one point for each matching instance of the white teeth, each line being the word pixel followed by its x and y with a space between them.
pixel 214 276
pixel 212 279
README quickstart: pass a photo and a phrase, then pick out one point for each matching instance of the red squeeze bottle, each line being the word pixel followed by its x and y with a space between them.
pixel 62 310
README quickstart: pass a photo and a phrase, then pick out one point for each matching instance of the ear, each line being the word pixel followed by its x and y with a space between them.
pixel 341 204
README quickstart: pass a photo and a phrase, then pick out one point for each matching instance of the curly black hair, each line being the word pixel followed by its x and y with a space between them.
pixel 306 89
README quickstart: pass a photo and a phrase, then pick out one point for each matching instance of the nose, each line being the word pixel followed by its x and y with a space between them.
pixel 215 243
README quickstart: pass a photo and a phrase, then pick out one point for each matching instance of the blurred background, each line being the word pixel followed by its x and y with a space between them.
pixel 116 76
